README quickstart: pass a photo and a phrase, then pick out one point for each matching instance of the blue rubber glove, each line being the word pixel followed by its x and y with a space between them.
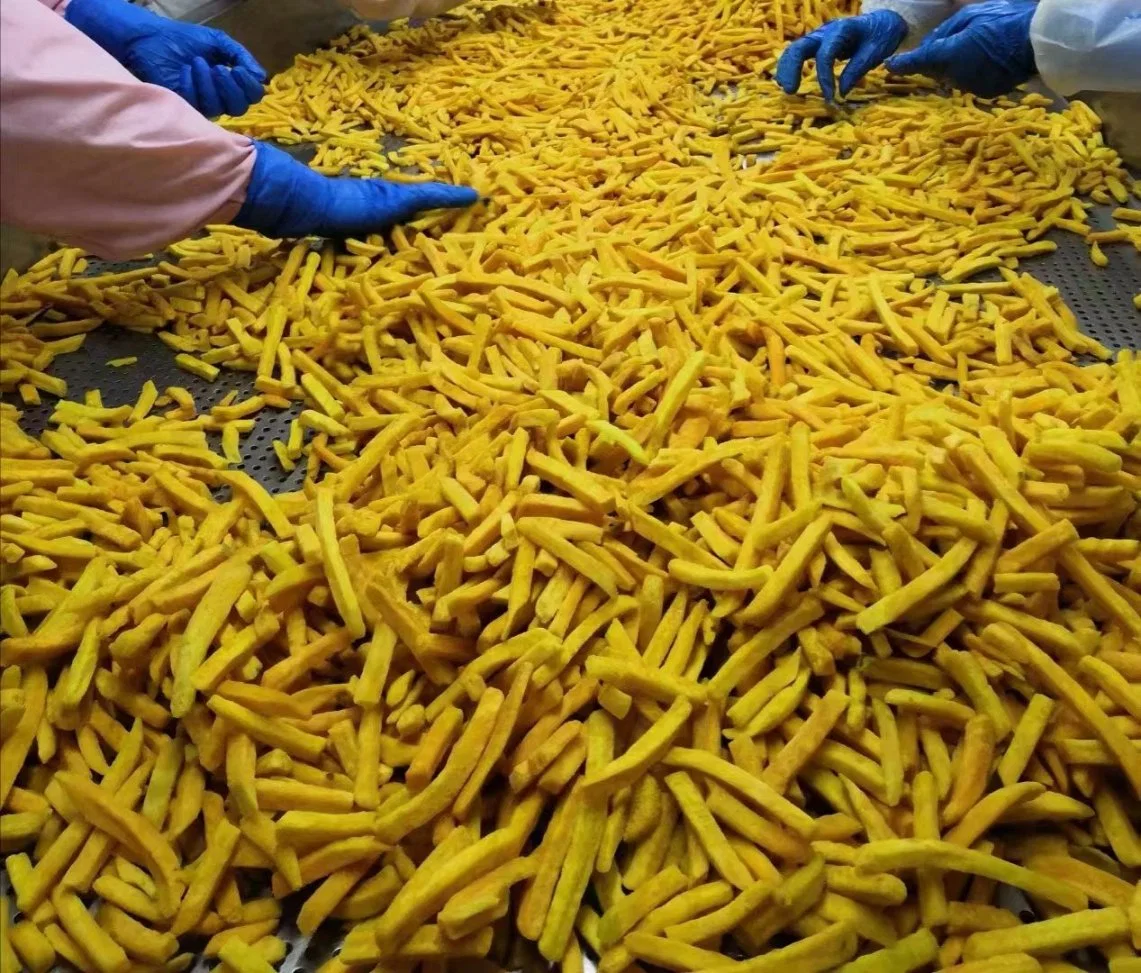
pixel 984 49
pixel 285 198
pixel 202 65
pixel 865 41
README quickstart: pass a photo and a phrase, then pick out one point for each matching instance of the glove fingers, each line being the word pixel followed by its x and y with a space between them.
pixel 838 44
pixel 234 101
pixel 791 62
pixel 208 101
pixel 412 198
pixel 930 58
pixel 185 86
pixel 955 25
pixel 247 62
pixel 866 58
pixel 250 85
pixel 234 55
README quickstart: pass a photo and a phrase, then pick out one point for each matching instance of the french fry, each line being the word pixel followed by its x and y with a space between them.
pixel 758 792
pixel 708 927
pixel 708 832
pixel 106 954
pixel 585 835
pixel 917 852
pixel 1090 927
pixel 649 748
pixel 974 769
pixel 32 946
pixel 220 847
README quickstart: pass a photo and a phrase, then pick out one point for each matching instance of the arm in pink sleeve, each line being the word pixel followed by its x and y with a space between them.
pixel 97 158
pixel 57 5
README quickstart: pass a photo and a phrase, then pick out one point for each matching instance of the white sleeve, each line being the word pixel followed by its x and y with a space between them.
pixel 1088 45
pixel 922 16
pixel 387 10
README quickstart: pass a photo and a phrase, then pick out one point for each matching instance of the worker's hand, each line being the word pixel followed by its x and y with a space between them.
pixel 984 49
pixel 207 68
pixel 285 198
pixel 864 41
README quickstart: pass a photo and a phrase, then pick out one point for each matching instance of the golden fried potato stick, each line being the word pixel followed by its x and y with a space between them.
pixel 977 755
pixel 272 733
pixel 243 958
pixel 15 748
pixel 220 846
pixel 752 653
pixel 708 832
pixel 505 721
pixel 106 954
pixel 129 828
pixel 330 893
pixel 1091 927
pixel 142 942
pixel 206 621
pixel 760 794
pixel 536 899
pixel 781 771
pixel 871 889
pixel 7 955
pixel 646 750
pixel 892 606
pixel 1032 520
pixel 639 680
pixel 910 953
pixel 341 584
pixel 53 863
pixel 1101 886
pixel 789 572
pixel 671 955
pixel 897 853
pixel 433 747
pixel 585 836
pixel 32 946
pixel 1064 686
pixel 391 826
pixel 769 838
pixel 720 921
pixel 468 910
pixel 1005 963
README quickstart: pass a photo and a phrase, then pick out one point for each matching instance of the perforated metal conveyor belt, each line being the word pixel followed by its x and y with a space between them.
pixel 1100 297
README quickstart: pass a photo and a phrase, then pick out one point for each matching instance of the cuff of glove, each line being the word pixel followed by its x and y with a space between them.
pixel 922 16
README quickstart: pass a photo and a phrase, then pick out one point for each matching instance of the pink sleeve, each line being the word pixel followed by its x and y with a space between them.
pixel 57 5
pixel 97 158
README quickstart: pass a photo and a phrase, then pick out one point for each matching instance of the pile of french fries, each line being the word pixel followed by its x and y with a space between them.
pixel 695 567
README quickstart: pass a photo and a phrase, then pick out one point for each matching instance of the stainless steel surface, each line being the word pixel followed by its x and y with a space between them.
pixel 274 31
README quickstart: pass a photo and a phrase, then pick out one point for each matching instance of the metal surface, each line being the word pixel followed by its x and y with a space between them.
pixel 1101 298
pixel 88 369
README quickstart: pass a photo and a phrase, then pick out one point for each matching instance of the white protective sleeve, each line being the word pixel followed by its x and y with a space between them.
pixel 922 16
pixel 1088 45
pixel 387 10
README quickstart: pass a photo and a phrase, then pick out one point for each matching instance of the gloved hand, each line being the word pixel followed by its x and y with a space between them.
pixel 202 65
pixel 866 40
pixel 285 198
pixel 984 48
